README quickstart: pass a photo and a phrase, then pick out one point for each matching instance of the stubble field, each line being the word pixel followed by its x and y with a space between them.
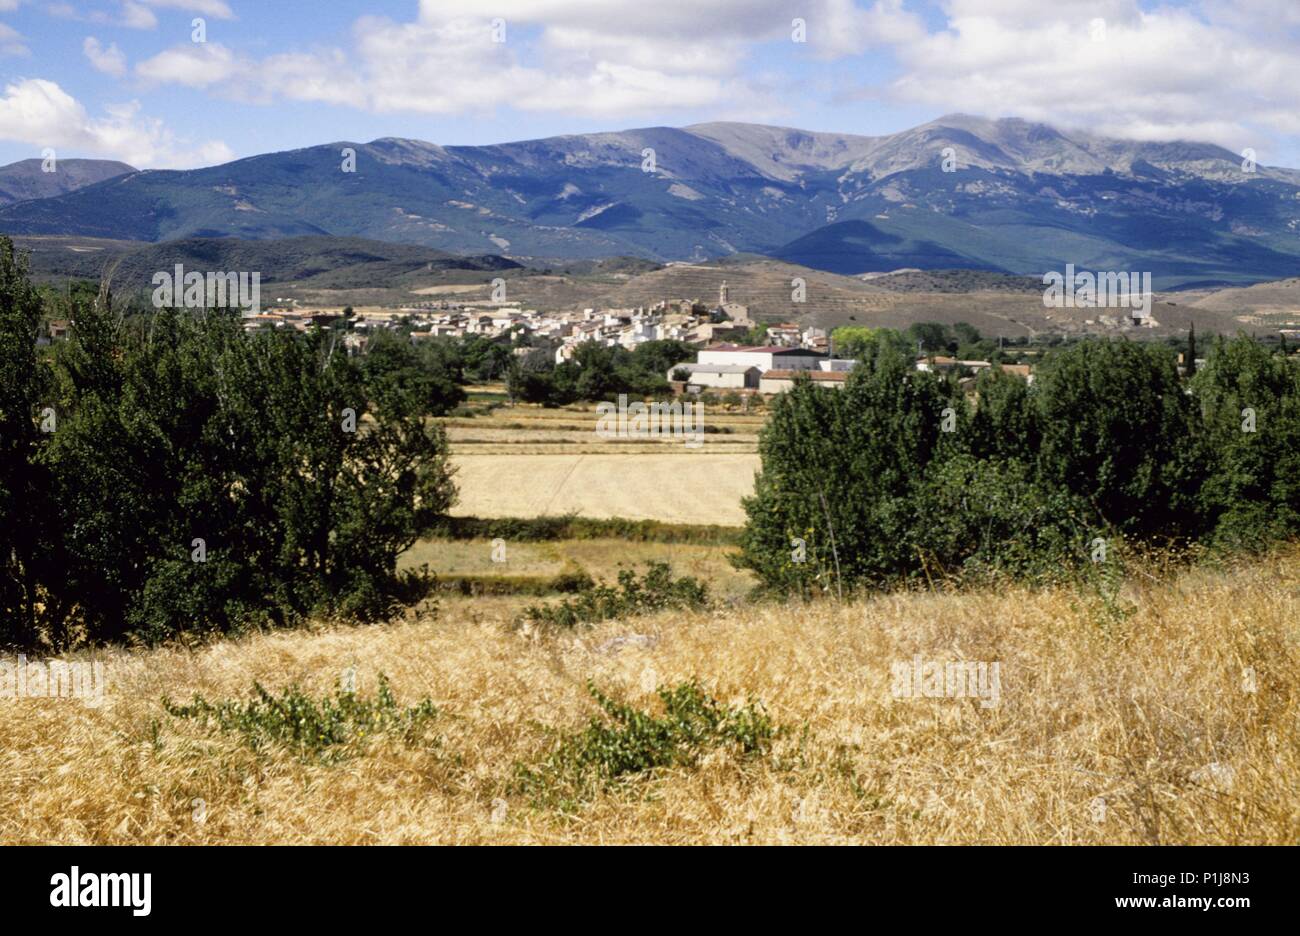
pixel 525 461
pixel 1178 724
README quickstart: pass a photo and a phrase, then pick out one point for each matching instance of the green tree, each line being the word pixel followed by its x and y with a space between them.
pixel 1251 405
pixel 24 510
pixel 204 480
pixel 840 472
pixel 1118 432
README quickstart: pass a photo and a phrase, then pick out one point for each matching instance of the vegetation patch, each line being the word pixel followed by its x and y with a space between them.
pixel 657 590
pixel 567 582
pixel 573 527
pixel 330 728
pixel 906 478
pixel 625 744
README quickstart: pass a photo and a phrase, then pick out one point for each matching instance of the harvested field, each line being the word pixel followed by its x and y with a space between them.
pixel 691 486
pixel 1144 731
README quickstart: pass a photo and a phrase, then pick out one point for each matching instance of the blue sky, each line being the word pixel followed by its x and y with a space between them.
pixel 124 78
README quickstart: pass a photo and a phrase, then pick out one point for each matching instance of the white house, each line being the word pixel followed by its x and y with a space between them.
pixel 721 376
pixel 764 357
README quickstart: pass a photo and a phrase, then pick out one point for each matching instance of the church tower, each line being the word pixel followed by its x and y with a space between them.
pixel 723 295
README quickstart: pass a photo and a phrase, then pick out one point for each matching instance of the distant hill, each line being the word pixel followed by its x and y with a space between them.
pixel 1022 198
pixel 334 272
pixel 27 180
pixel 957 281
pixel 860 247
pixel 325 262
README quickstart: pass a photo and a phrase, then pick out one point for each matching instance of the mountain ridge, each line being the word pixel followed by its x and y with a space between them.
pixel 1021 197
pixel 30 179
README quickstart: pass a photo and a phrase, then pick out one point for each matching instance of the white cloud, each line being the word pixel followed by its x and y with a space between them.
pixel 42 114
pixel 582 56
pixel 136 16
pixel 109 60
pixel 195 65
pixel 132 14
pixel 217 9
pixel 1165 74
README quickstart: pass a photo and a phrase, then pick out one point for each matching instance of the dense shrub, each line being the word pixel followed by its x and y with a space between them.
pixel 900 476
pixel 571 526
pixel 1252 495
pixel 171 474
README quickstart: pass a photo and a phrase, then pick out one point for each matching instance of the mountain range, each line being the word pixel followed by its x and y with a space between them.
pixel 30 179
pixel 1021 198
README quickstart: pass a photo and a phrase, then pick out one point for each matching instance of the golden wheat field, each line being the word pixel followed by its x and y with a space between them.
pixel 680 487
pixel 527 461
pixel 1176 723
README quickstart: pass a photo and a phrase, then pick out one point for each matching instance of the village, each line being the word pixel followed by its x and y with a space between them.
pixel 735 352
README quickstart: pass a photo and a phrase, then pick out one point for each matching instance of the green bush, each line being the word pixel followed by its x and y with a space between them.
pixel 900 478
pixel 329 728
pixel 628 743
pixel 657 590
pixel 197 479
pixel 571 526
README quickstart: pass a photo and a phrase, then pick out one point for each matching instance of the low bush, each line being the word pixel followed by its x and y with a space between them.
pixel 330 727
pixel 627 744
pixel 655 591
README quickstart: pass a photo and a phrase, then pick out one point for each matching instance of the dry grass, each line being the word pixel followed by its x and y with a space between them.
pixel 1133 712
pixel 602 559
pixel 685 486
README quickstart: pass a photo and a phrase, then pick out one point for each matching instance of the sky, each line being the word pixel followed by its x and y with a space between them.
pixel 181 83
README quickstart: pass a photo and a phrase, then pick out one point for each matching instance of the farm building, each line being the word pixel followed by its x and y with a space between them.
pixel 722 376
pixel 779 381
pixel 764 357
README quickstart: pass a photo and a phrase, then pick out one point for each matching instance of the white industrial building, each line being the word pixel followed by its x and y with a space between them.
pixel 719 376
pixel 764 357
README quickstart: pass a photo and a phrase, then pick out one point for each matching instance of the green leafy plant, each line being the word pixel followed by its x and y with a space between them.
pixel 626 743
pixel 655 591
pixel 329 727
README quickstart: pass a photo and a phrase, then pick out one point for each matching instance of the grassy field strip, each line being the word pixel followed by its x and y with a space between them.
pixel 488 432
pixel 600 558
pixel 1146 716
pixel 706 488
pixel 629 449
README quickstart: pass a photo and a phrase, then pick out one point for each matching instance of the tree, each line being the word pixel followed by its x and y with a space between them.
pixel 1250 401
pixel 931 336
pixel 23 484
pixel 1189 368
pixel 846 465
pixel 1119 432
pixel 201 479
pixel 863 344
pixel 393 368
